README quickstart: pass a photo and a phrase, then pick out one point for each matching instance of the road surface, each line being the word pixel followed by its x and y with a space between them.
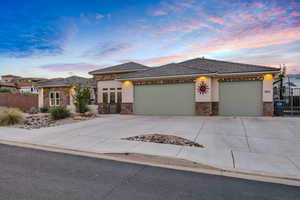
pixel 27 174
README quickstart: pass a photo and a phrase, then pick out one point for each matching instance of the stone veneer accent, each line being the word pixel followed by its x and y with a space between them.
pixel 64 95
pixel 127 108
pixel 204 108
pixel 242 78
pixel 164 81
pixel 268 108
pixel 103 108
pixel 107 77
pixel 215 108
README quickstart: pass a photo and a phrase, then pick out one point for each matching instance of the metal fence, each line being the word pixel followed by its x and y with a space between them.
pixel 291 97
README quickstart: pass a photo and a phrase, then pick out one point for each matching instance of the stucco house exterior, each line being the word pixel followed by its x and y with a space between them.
pixel 110 93
pixel 199 86
pixel 59 92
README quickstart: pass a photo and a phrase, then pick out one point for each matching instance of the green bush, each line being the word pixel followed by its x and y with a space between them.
pixel 11 117
pixel 5 90
pixel 29 94
pixel 59 113
pixel 44 110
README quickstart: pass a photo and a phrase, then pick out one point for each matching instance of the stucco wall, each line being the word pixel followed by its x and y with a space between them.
pixel 207 97
pixel 106 84
pixel 41 98
pixel 268 89
pixel 127 92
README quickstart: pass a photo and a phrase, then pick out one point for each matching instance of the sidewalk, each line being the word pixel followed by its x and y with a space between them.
pixel 100 137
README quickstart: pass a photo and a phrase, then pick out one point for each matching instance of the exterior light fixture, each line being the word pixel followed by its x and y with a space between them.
pixel 127 83
pixel 201 78
pixel 268 76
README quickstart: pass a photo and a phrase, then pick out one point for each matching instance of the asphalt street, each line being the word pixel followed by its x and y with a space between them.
pixel 27 174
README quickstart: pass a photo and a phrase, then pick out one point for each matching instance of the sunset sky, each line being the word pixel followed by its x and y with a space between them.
pixel 56 38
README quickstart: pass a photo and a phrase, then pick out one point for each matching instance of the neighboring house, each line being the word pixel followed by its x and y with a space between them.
pixel 24 84
pixel 59 92
pixel 10 86
pixel 292 81
pixel 8 78
pixel 109 90
pixel 194 87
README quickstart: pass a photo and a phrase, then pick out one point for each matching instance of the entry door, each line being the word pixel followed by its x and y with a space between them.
pixel 240 98
pixel 166 99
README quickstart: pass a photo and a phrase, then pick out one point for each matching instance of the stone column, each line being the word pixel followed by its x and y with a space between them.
pixel 268 107
pixel 204 99
pixel 41 97
pixel 127 97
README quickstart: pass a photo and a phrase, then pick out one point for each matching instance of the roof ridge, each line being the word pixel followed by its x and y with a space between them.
pixel 230 62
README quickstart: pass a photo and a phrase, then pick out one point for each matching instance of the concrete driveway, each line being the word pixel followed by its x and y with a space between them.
pixel 258 144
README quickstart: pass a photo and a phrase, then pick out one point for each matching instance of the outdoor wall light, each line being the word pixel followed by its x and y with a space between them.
pixel 201 78
pixel 127 83
pixel 268 76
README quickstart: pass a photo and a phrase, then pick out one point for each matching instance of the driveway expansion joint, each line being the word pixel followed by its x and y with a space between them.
pixel 246 134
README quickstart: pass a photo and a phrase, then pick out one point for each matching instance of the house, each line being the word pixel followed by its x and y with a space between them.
pixel 28 84
pixel 194 87
pixel 109 89
pixel 8 78
pixel 60 91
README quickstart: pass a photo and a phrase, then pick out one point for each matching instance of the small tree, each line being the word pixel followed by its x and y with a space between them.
pixel 281 77
pixel 82 98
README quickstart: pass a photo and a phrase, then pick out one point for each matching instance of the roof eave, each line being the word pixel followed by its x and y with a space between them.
pixel 160 77
pixel 203 74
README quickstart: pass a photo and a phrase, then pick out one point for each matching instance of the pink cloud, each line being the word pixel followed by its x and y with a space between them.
pixel 184 28
pixel 295 14
pixel 219 20
pixel 258 4
pixel 255 38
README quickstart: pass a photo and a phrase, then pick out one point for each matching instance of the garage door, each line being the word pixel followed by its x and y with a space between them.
pixel 242 98
pixel 167 99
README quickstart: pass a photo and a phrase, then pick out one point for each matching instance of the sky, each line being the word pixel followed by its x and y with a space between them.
pixel 55 38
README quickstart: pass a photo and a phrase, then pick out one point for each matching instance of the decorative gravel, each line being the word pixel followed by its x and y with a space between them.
pixel 164 139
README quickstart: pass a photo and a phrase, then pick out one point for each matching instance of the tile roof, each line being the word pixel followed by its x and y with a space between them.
pixel 63 82
pixel 126 67
pixel 196 67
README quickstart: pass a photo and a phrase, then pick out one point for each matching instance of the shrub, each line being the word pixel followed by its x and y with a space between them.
pixel 29 94
pixel 44 110
pixel 5 90
pixel 59 113
pixel 11 117
pixel 82 98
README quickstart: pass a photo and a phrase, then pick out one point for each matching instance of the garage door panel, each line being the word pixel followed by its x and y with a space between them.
pixel 243 98
pixel 166 99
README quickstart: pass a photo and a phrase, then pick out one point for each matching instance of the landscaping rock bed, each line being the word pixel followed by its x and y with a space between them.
pixel 164 139
pixel 38 121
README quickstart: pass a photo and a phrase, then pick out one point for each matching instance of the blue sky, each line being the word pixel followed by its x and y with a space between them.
pixel 60 38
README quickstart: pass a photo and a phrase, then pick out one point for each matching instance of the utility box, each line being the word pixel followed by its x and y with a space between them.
pixel 279 107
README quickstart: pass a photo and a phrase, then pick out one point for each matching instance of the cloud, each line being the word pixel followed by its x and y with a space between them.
pixel 99 16
pixel 258 4
pixel 159 12
pixel 70 67
pixel 108 49
pixel 295 14
pixel 184 28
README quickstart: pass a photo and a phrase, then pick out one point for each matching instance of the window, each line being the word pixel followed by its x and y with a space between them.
pixel 54 99
pixel 105 97
pixel 112 97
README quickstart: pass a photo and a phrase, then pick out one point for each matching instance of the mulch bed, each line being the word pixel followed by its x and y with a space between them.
pixel 164 139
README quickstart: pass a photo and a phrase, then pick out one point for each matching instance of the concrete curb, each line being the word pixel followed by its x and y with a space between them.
pixel 235 173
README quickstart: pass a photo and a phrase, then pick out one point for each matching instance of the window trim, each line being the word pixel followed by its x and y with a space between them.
pixel 57 101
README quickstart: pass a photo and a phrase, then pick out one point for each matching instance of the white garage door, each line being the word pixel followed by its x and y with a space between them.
pixel 240 98
pixel 166 99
